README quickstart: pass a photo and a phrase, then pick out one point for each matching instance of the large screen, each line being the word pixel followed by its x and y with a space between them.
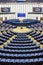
pixel 35 0
pixel 7 1
pixel 37 9
pixel 21 0
pixel 21 14
pixel 5 9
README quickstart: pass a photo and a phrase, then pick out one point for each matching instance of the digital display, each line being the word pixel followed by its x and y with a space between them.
pixel 7 1
pixel 37 9
pixel 5 9
pixel 35 0
pixel 21 14
pixel 21 0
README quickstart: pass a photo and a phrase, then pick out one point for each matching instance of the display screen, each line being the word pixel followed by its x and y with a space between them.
pixel 21 14
pixel 37 9
pixel 21 0
pixel 7 1
pixel 35 0
pixel 32 0
pixel 5 9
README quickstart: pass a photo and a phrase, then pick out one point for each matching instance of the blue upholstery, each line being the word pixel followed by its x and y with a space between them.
pixel 21 49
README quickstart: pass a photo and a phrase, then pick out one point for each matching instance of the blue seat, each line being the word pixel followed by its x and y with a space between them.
pixel 2 60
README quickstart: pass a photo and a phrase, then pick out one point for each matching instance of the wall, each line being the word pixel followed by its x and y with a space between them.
pixel 21 8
